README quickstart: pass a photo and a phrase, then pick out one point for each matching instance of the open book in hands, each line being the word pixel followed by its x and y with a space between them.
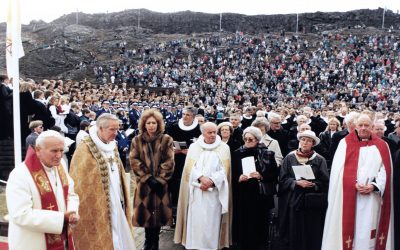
pixel 180 145
pixel 248 166
pixel 303 172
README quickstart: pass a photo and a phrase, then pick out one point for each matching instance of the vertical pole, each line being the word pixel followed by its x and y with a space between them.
pixel 297 23
pixel 383 18
pixel 138 21
pixel 220 22
pixel 77 17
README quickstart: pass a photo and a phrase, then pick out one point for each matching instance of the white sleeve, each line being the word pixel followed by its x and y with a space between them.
pixel 73 198
pixel 20 206
pixel 380 180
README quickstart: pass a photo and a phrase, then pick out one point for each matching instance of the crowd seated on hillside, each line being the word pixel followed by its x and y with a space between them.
pixel 222 75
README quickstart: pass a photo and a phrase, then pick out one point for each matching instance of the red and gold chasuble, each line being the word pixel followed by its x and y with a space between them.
pixel 349 191
pixel 48 199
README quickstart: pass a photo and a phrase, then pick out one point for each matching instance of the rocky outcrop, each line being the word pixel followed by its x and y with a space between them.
pixel 63 48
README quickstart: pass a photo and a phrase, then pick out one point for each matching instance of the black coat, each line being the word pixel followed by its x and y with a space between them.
pixel 6 128
pixel 26 108
pixel 282 136
pixel 302 210
pixel 40 112
pixel 335 142
pixel 237 138
pixel 323 147
pixel 250 208
pixel 178 134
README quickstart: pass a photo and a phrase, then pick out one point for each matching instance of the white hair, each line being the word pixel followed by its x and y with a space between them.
pixel 42 138
pixel 351 117
pixel 206 125
pixel 103 120
pixel 363 117
pixel 256 132
pixel 274 115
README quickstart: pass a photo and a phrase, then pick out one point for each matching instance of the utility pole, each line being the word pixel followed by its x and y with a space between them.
pixel 383 18
pixel 220 22
pixel 297 23
pixel 77 16
pixel 138 20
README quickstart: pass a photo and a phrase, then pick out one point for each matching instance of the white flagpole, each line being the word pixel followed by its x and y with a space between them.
pixel 297 23
pixel 14 51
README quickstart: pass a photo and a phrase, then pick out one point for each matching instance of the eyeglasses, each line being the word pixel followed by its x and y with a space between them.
pixel 246 139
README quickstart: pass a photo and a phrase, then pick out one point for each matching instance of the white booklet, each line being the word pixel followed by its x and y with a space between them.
pixel 180 145
pixel 303 172
pixel 248 166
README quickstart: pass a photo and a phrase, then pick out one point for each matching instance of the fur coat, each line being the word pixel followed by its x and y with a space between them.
pixel 152 157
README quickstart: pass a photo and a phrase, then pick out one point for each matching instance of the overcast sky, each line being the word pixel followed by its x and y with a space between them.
pixel 48 10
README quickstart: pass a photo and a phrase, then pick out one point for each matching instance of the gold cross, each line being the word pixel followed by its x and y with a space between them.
pixel 381 239
pixel 50 207
pixel 348 242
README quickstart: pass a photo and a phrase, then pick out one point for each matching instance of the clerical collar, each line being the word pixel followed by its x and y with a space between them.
pixel 107 148
pixel 363 139
pixel 206 146
pixel 187 128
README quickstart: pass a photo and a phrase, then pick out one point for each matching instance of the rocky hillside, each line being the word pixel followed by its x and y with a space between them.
pixel 56 49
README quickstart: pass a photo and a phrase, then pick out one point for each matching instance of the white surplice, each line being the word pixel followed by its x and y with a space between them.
pixel 370 170
pixel 206 207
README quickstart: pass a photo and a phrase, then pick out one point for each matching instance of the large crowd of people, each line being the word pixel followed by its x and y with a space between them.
pixel 248 142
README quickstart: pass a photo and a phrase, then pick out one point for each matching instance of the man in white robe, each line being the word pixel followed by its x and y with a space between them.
pixel 359 214
pixel 203 218
pixel 40 213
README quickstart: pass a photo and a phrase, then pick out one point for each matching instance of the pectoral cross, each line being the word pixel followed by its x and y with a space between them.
pixel 50 207
pixel 348 242
pixel 381 239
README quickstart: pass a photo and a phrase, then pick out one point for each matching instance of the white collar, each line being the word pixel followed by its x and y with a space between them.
pixel 247 117
pixel 106 148
pixel 200 141
pixel 187 128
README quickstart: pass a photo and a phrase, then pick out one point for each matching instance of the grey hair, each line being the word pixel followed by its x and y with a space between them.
pixel 261 121
pixel 103 120
pixel 42 138
pixel 274 115
pixel 206 125
pixel 260 113
pixel 256 132
pixel 363 117
pixel 191 110
pixel 380 122
pixel 351 117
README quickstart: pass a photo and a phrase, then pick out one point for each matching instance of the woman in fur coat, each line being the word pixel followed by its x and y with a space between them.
pixel 152 161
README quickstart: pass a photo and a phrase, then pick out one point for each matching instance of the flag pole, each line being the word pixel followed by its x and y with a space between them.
pixel 14 51
pixel 16 114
